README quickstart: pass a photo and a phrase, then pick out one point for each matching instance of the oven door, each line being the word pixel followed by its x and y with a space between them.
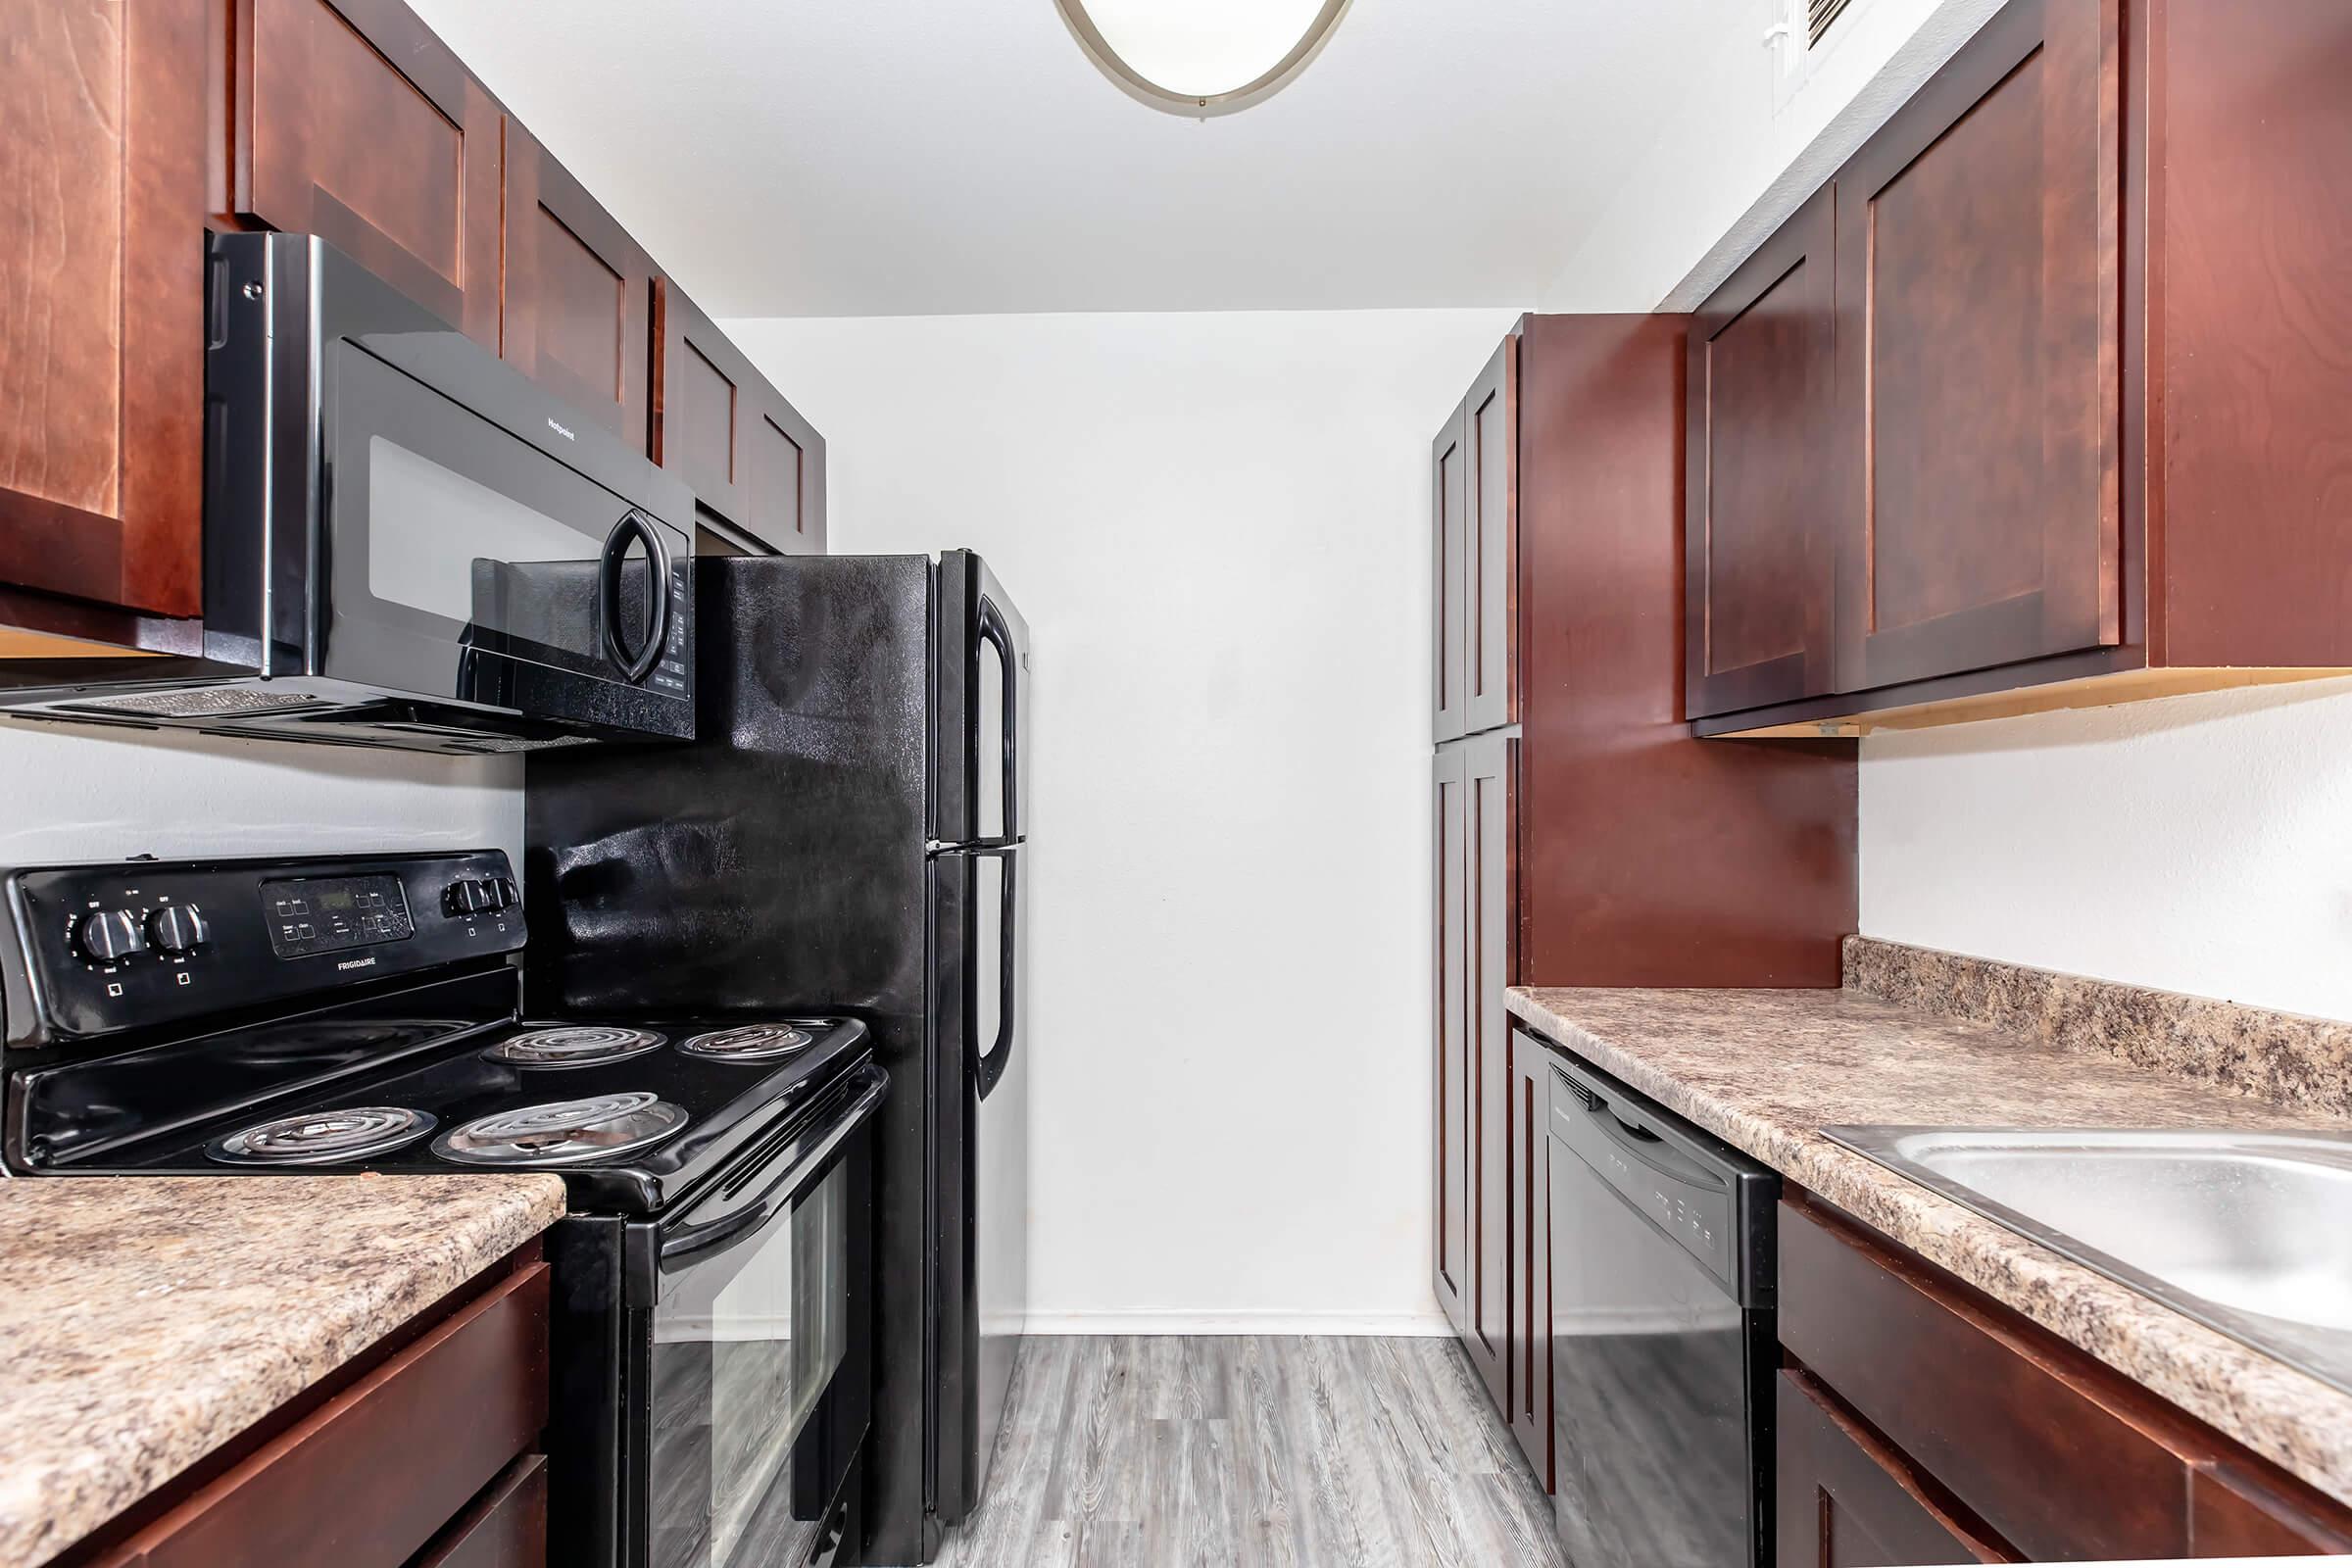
pixel 759 1369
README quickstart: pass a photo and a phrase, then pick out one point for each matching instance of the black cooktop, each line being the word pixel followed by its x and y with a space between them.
pixel 116 1113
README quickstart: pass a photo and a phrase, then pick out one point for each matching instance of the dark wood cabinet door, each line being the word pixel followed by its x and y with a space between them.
pixel 579 294
pixel 1449 464
pixel 1531 1251
pixel 102 148
pixel 1760 481
pixel 505 1527
pixel 1453 1039
pixel 356 124
pixel 1490 544
pixel 1978 357
pixel 1492 903
pixel 1844 1500
pixel 755 466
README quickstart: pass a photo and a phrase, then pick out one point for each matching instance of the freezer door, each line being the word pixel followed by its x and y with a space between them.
pixel 981 1096
pixel 982 691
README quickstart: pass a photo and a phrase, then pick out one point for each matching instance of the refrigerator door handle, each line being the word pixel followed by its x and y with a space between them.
pixel 994 630
pixel 990 1068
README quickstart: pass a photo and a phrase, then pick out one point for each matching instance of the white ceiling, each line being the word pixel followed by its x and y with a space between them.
pixel 915 157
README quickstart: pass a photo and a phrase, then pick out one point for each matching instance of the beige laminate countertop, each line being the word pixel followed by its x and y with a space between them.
pixel 147 1320
pixel 1766 1070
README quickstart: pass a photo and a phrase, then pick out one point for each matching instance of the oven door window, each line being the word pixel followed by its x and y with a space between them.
pixel 451 538
pixel 746 1338
pixel 1649 1387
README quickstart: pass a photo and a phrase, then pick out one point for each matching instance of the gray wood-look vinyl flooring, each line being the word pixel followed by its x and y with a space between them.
pixel 1200 1451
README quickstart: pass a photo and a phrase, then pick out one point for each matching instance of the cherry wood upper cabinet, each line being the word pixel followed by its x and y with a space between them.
pixel 579 293
pixel 356 124
pixel 102 147
pixel 1489 635
pixel 1761 486
pixel 1977 348
pixel 1451 1138
pixel 757 468
pixel 1449 464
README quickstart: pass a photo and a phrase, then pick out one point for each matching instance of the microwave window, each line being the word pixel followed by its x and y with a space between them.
pixel 437 541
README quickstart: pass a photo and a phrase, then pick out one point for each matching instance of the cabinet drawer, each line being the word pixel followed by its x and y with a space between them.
pixel 505 1528
pixel 369 1476
pixel 1845 1498
pixel 2060 1455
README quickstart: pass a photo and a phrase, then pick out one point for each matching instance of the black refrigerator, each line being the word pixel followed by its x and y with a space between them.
pixel 843 835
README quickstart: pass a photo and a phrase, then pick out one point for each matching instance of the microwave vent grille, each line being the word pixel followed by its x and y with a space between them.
pixel 199 701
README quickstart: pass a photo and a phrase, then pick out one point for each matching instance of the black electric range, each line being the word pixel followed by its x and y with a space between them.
pixel 327 1015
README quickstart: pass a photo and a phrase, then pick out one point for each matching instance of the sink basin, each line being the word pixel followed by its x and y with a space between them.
pixel 2249 1233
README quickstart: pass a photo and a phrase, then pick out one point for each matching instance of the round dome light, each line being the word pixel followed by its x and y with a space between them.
pixel 1201 57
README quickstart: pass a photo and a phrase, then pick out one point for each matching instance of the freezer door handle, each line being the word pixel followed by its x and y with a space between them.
pixel 995 631
pixel 990 1068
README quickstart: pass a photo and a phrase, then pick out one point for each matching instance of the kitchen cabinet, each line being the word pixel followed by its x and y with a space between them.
pixel 2016 1441
pixel 102 140
pixel 579 291
pixel 1474 519
pixel 1453 1138
pixel 1758 499
pixel 1557 498
pixel 422 1455
pixel 1490 544
pixel 1843 1500
pixel 757 468
pixel 354 123
pixel 1489 796
pixel 1448 462
pixel 2083 446
pixel 1531 1251
pixel 1976 335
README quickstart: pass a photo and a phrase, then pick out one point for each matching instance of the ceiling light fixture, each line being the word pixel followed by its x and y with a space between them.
pixel 1201 57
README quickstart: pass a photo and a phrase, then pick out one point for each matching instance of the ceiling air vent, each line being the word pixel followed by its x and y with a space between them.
pixel 1820 15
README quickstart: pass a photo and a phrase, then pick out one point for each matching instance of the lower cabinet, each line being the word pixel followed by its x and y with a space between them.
pixel 1921 1422
pixel 1844 1500
pixel 1475 834
pixel 1530 1342
pixel 425 1460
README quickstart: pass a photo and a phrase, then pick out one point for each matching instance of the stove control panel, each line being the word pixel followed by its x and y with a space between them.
pixel 93 949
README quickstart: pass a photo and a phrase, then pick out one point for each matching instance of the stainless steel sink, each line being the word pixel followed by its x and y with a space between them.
pixel 2249 1233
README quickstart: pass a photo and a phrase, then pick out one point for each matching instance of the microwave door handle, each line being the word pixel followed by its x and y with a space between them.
pixel 991 1067
pixel 611 568
pixel 993 629
pixel 687 1242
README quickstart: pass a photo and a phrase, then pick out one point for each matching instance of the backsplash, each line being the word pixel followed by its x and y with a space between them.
pixel 2254 1052
pixel 93 795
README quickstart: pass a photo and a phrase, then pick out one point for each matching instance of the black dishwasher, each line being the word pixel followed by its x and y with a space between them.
pixel 1662 1333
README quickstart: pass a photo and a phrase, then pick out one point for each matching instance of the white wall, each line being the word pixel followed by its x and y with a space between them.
pixel 1742 145
pixel 1217 527
pixel 96 795
pixel 2202 843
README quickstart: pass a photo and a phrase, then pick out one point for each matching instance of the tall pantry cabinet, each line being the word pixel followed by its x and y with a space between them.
pixel 1583 836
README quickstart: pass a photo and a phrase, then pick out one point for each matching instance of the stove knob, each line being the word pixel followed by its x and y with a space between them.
pixel 465 897
pixel 177 928
pixel 503 894
pixel 106 935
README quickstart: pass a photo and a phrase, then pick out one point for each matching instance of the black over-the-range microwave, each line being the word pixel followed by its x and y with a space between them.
pixel 406 542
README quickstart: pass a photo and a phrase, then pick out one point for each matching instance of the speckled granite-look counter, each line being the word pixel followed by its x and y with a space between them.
pixel 1766 1070
pixel 147 1320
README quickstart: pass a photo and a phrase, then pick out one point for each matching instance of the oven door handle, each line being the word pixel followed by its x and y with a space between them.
pixel 869 1086
pixel 610 567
